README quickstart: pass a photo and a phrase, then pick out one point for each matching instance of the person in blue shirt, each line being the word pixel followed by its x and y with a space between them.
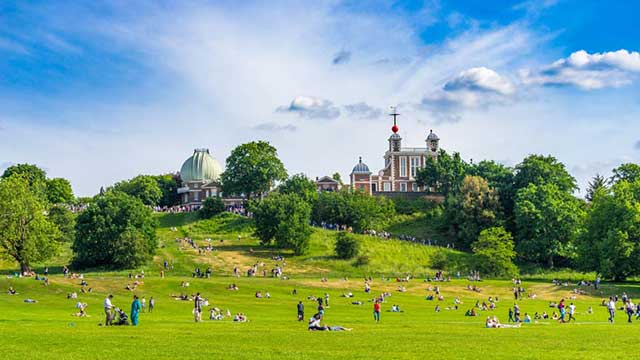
pixel 136 306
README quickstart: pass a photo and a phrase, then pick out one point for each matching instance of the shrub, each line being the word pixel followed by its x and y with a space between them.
pixel 211 207
pixel 347 247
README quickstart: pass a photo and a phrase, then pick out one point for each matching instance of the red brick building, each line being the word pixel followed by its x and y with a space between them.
pixel 400 166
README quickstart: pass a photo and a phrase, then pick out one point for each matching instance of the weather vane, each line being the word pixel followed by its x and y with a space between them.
pixel 394 113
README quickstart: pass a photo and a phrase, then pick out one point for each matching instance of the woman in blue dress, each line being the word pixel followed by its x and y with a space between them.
pixel 135 310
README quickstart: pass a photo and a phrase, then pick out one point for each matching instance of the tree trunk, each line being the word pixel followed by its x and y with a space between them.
pixel 24 268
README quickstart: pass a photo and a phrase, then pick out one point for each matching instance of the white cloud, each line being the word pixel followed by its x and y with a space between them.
pixel 480 79
pixel 474 88
pixel 587 71
pixel 311 107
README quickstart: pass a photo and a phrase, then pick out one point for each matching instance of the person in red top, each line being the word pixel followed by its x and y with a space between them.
pixel 376 311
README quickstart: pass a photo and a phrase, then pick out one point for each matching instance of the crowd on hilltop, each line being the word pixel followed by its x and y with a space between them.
pixel 235 209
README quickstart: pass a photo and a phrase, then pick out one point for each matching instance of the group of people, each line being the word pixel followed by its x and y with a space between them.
pixel 111 311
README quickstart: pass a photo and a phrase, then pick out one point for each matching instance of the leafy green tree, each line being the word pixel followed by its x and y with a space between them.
pixel 444 174
pixel 358 210
pixel 610 244
pixel 595 185
pixel 347 246
pixel 59 191
pixel 628 171
pixel 302 186
pixel 336 176
pixel 211 206
pixel 168 184
pixel 284 218
pixel 115 231
pixel 252 169
pixel 64 219
pixel 143 187
pixel 539 169
pixel 548 220
pixel 472 208
pixel 493 252
pixel 500 178
pixel 26 234
pixel 32 173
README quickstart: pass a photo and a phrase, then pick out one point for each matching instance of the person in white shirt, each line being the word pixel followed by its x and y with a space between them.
pixel 612 309
pixel 572 311
pixel 314 323
pixel 107 310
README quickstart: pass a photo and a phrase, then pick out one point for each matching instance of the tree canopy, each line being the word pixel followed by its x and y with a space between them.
pixel 494 252
pixel 539 169
pixel 115 231
pixel 284 218
pixel 610 244
pixel 301 185
pixel 59 191
pixel 252 169
pixel 32 173
pixel 26 234
pixel 445 174
pixel 548 220
pixel 356 209
pixel 143 187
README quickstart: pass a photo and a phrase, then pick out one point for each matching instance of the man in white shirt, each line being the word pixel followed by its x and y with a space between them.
pixel 107 310
pixel 612 309
pixel 572 311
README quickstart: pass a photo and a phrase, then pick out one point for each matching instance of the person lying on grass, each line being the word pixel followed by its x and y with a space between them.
pixel 494 323
pixel 314 325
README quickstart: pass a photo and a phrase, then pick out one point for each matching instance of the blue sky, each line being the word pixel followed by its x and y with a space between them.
pixel 101 91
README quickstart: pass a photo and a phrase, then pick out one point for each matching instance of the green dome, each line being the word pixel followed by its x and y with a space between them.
pixel 201 166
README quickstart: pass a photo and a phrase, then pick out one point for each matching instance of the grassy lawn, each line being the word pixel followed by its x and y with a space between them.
pixel 48 330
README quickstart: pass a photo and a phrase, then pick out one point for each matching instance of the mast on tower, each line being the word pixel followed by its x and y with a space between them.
pixel 394 113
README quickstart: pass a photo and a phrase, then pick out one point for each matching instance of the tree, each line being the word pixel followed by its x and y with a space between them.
pixel 548 220
pixel 284 218
pixel 64 219
pixel 168 184
pixel 210 207
pixel 26 235
pixel 596 184
pixel 358 210
pixel 143 187
pixel 493 252
pixel 252 169
pixel 302 186
pixel 610 244
pixel 500 178
pixel 628 171
pixel 347 247
pixel 444 174
pixel 539 169
pixel 115 231
pixel 336 176
pixel 32 173
pixel 472 208
pixel 59 191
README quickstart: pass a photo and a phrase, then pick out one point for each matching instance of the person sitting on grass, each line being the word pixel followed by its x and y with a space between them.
pixel 240 317
pixel 471 312
pixel 12 291
pixel 527 318
pixel 81 309
pixel 314 323
pixel 123 319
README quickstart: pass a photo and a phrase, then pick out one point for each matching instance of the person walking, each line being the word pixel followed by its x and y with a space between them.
pixel 108 306
pixel 143 303
pixel 611 306
pixel 376 311
pixel 562 310
pixel 629 307
pixel 572 311
pixel 136 307
pixel 300 311
pixel 152 303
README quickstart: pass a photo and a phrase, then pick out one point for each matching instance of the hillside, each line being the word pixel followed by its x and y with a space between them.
pixel 234 245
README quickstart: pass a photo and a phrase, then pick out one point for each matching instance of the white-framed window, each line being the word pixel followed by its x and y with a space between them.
pixel 386 186
pixel 403 187
pixel 415 164
pixel 196 196
pixel 414 187
pixel 403 166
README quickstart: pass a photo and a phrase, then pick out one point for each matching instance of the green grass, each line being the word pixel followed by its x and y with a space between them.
pixel 47 329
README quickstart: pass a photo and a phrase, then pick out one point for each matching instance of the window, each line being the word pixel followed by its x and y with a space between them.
pixel 403 166
pixel 403 187
pixel 386 186
pixel 374 187
pixel 414 187
pixel 415 164
pixel 196 196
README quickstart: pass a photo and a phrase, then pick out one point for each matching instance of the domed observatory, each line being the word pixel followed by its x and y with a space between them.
pixel 200 176
pixel 361 177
